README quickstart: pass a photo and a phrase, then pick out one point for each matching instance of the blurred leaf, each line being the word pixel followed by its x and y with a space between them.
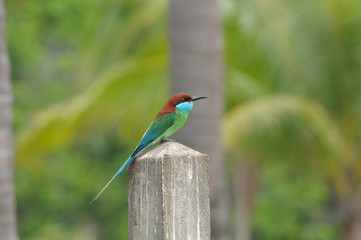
pixel 129 93
pixel 240 86
pixel 301 128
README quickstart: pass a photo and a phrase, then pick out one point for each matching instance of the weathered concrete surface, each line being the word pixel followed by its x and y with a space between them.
pixel 168 194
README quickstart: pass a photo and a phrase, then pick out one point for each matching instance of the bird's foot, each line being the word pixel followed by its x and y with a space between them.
pixel 163 140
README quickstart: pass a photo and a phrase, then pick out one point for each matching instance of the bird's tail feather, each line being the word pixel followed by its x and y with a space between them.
pixel 116 174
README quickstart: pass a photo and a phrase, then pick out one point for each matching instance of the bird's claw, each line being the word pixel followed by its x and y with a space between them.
pixel 163 140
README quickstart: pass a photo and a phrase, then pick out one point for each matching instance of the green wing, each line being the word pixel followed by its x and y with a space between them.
pixel 155 131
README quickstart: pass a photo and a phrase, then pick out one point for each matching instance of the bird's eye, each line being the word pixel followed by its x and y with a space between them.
pixel 182 100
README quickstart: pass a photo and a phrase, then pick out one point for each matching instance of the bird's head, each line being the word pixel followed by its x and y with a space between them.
pixel 183 101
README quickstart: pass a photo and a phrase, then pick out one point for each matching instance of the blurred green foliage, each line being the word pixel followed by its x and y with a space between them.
pixel 291 203
pixel 79 67
pixel 89 75
pixel 296 65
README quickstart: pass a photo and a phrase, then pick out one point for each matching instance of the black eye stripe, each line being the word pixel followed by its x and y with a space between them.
pixel 183 100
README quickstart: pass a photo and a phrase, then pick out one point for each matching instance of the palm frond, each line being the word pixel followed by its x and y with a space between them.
pixel 117 39
pixel 127 93
pixel 240 86
pixel 300 127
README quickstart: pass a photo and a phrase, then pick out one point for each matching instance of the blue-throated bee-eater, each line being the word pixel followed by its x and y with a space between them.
pixel 169 119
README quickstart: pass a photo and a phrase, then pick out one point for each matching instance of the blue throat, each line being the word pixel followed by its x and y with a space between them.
pixel 185 106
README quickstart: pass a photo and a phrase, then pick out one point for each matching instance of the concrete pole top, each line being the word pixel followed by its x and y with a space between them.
pixel 174 149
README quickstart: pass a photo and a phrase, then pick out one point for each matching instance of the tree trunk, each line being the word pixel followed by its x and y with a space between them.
pixel 195 68
pixel 7 201
pixel 243 190
pixel 352 227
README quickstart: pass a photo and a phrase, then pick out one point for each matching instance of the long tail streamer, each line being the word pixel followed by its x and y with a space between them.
pixel 117 173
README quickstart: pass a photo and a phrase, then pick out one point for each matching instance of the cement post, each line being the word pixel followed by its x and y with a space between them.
pixel 168 194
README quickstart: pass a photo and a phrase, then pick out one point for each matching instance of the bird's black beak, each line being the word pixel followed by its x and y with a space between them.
pixel 197 98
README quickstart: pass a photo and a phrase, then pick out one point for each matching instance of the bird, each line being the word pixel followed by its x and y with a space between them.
pixel 169 119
